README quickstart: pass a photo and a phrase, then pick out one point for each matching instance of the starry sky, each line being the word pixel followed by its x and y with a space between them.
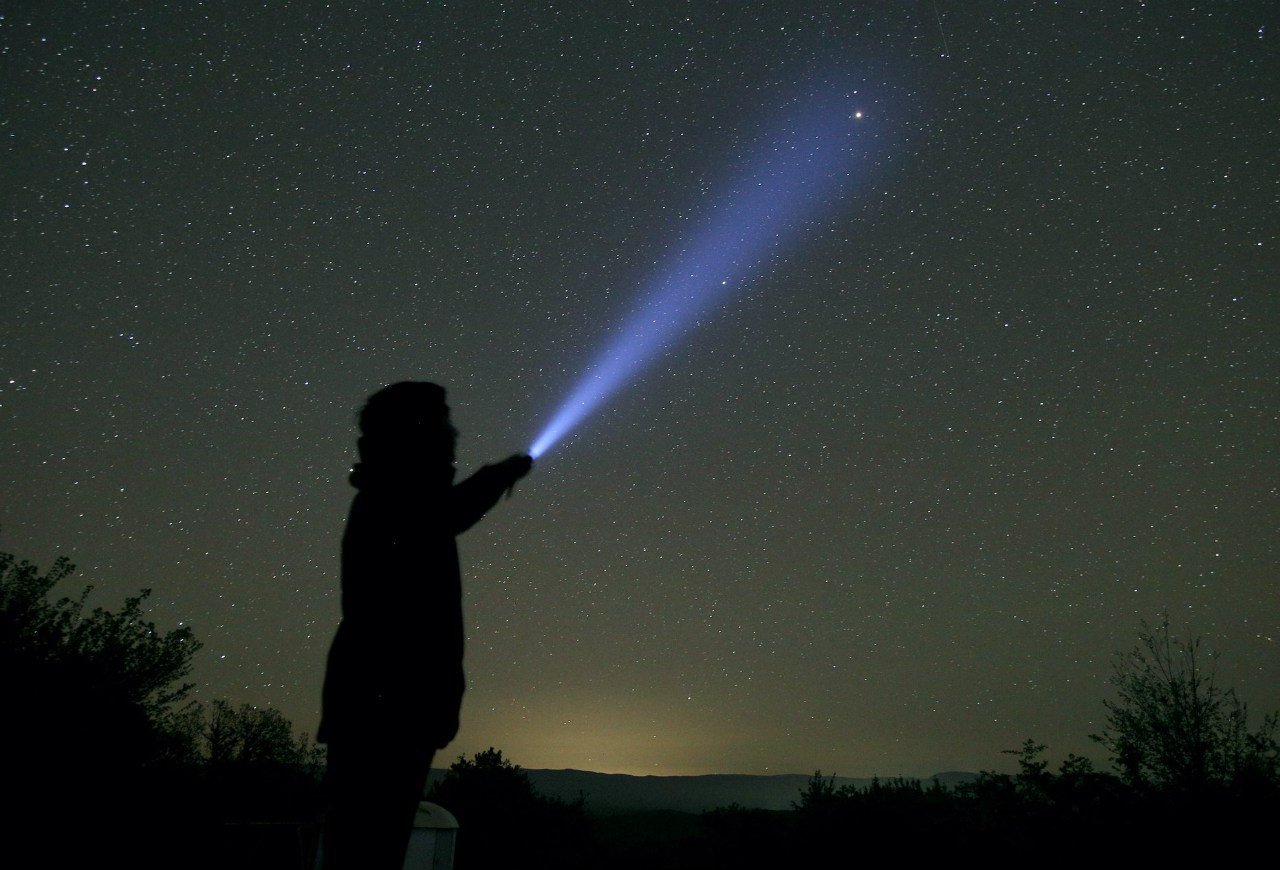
pixel 889 509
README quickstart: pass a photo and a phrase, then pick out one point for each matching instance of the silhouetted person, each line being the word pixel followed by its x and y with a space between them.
pixel 394 683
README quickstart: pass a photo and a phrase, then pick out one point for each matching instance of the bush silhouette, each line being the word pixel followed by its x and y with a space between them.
pixel 90 696
pixel 1174 729
pixel 504 821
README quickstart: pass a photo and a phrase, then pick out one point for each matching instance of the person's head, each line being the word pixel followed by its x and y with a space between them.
pixel 408 422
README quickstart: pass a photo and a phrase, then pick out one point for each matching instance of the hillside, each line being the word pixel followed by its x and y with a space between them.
pixel 617 792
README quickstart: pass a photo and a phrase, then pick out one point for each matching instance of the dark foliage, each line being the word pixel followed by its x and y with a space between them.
pixel 1195 782
pixel 98 738
pixel 117 659
pixel 253 787
pixel 248 766
pixel 89 695
pixel 103 753
pixel 1173 729
pixel 503 821
pixel 1035 817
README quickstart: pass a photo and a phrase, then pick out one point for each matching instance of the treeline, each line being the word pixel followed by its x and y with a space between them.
pixel 1075 815
pixel 1072 816
pixel 1193 781
pixel 107 757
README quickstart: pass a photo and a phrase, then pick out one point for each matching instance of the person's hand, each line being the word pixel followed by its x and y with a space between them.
pixel 515 467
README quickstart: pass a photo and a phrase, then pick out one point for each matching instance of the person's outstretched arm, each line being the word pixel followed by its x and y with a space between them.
pixel 471 499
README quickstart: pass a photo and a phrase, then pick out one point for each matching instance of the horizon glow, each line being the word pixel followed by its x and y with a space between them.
pixel 791 178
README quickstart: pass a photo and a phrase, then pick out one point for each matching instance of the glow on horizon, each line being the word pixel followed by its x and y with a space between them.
pixel 794 175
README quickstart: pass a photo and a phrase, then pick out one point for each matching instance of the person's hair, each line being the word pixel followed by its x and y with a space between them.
pixel 408 416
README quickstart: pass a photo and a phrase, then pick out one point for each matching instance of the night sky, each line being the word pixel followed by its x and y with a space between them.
pixel 890 509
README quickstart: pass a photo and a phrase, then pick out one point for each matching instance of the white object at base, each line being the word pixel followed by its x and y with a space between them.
pixel 434 838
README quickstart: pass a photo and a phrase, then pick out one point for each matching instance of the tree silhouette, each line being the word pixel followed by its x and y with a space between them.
pixel 248 764
pixel 99 684
pixel 1172 727
pixel 89 697
pixel 119 656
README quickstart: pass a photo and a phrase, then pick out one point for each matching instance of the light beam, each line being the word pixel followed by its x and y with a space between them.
pixel 793 177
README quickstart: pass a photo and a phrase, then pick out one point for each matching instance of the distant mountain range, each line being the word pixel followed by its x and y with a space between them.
pixel 619 792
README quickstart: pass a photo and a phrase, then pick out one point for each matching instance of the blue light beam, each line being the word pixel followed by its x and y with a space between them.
pixel 792 179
